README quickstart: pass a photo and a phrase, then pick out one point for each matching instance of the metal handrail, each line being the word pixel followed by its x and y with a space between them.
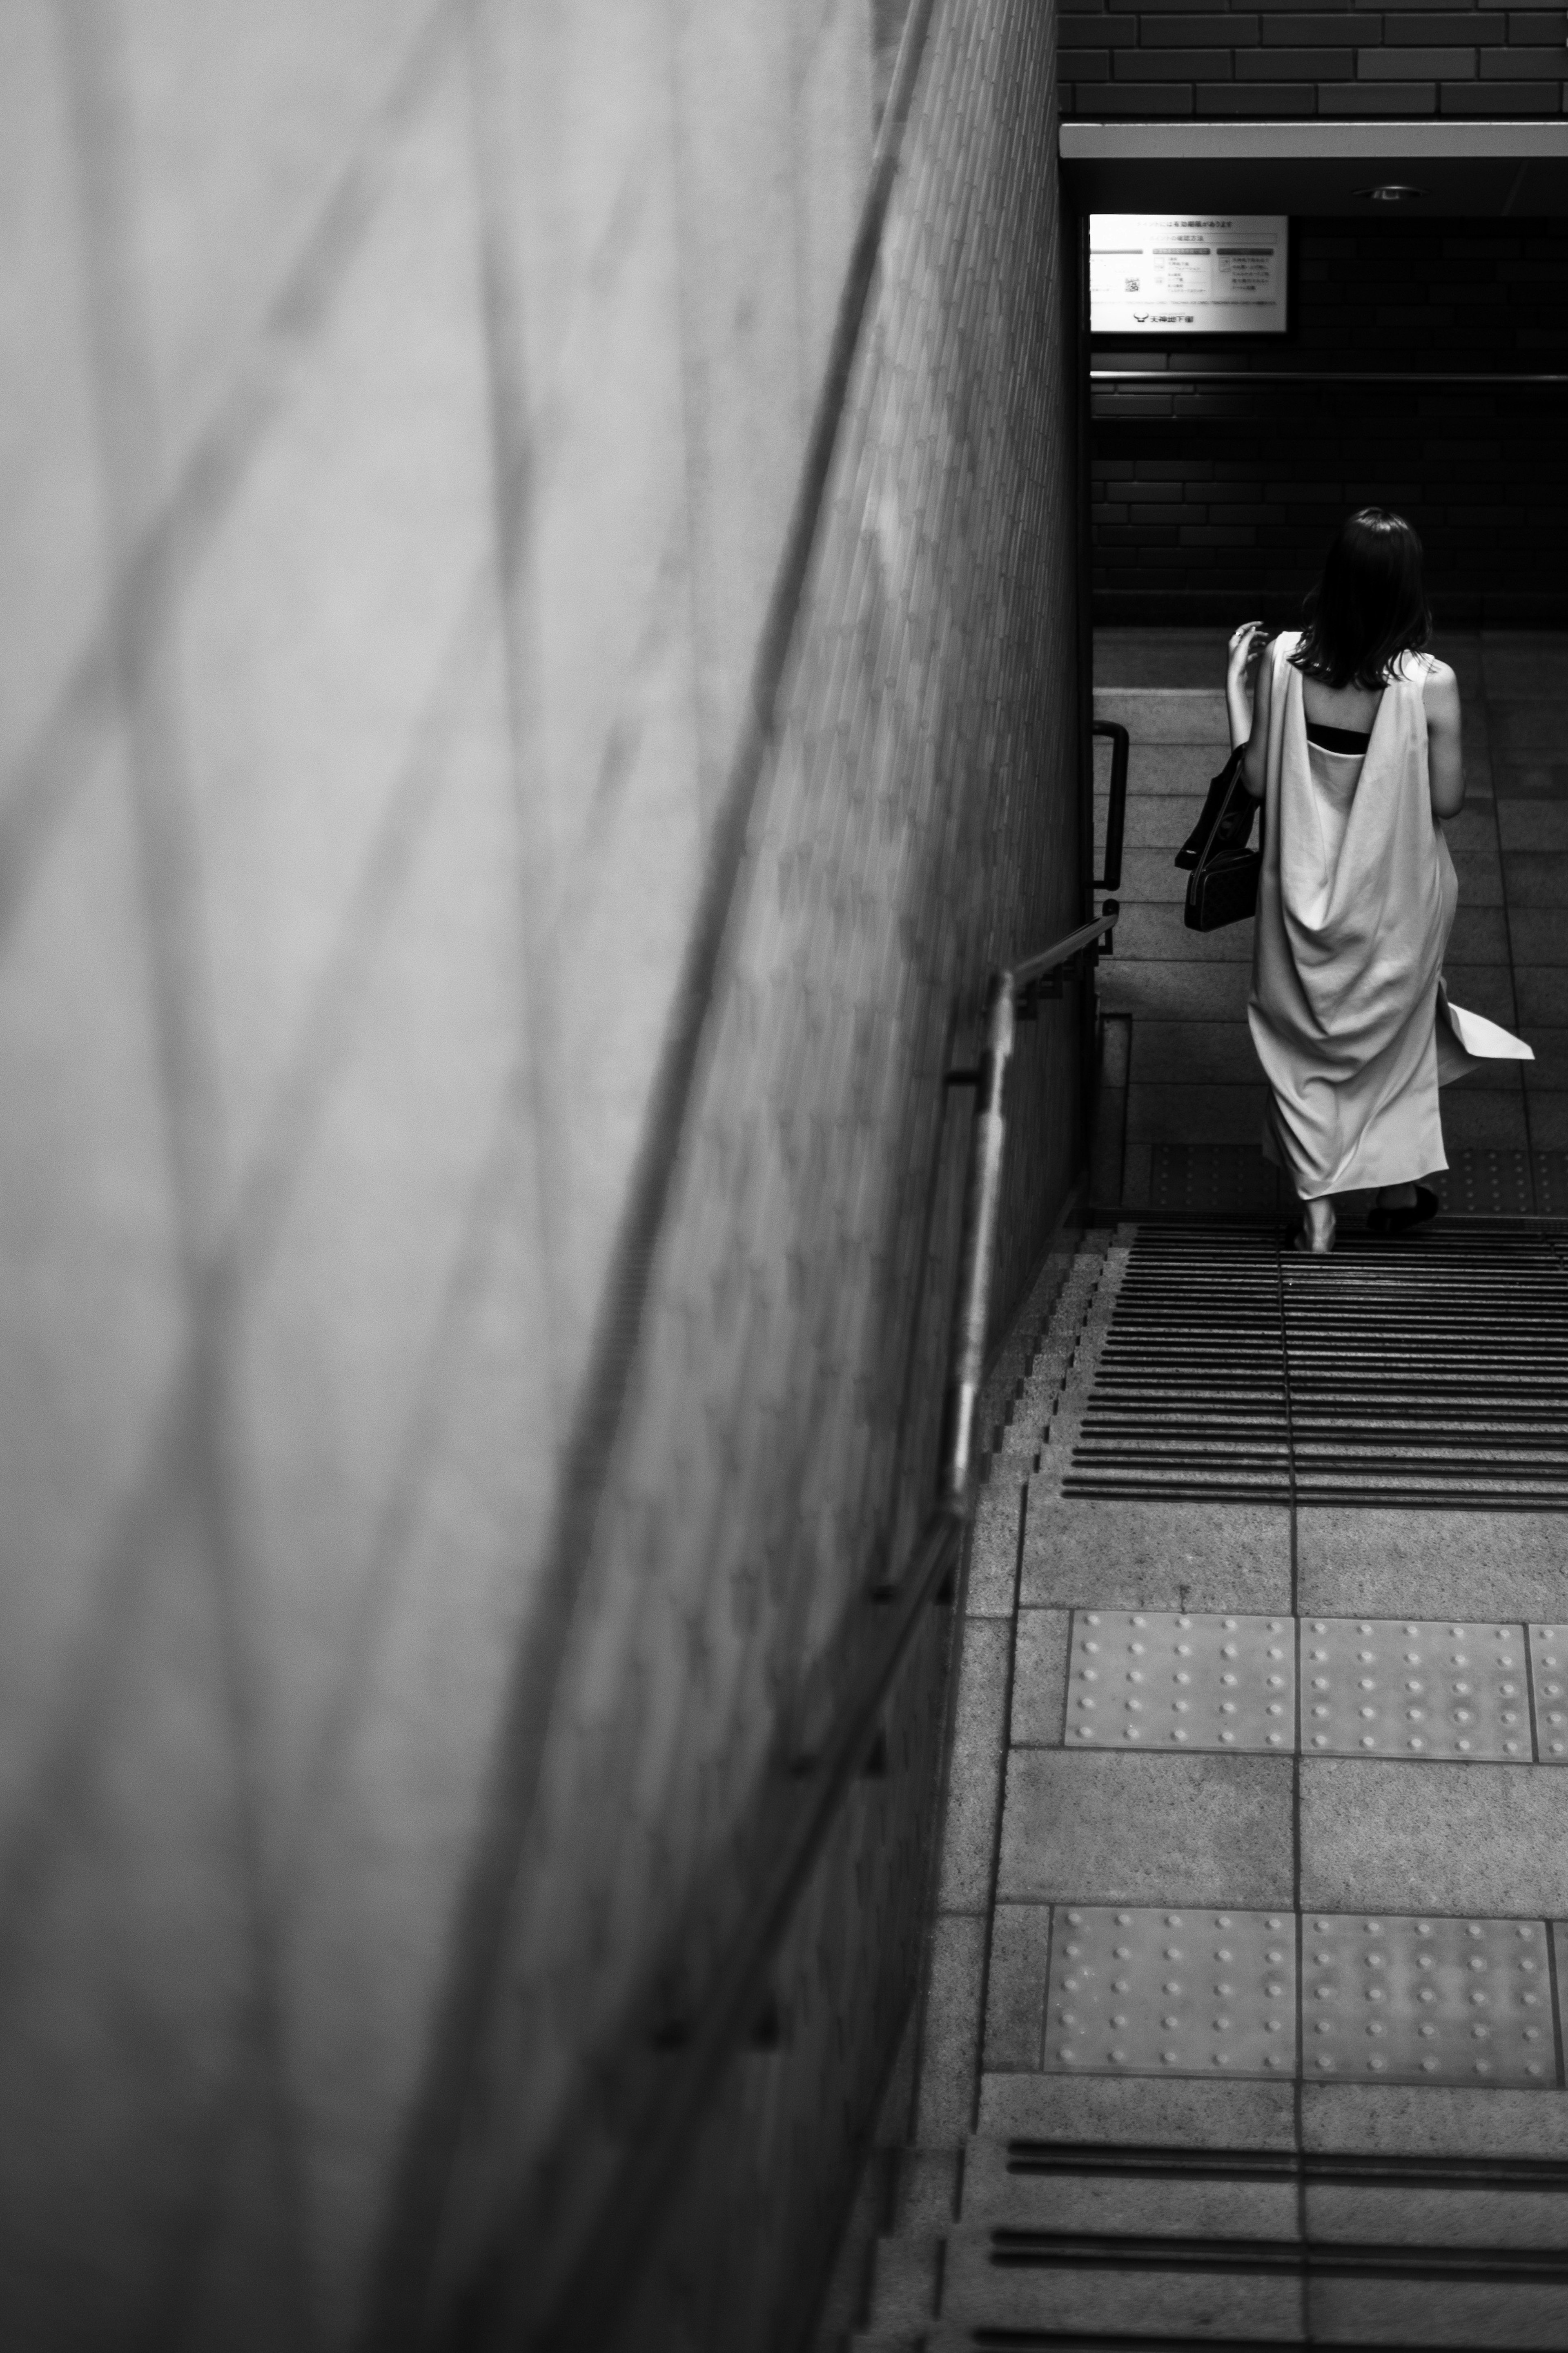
pixel 1034 968
pixel 1115 814
pixel 701 2044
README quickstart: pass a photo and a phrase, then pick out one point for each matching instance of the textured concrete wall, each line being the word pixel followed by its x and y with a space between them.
pixel 1205 495
pixel 405 408
pixel 1164 58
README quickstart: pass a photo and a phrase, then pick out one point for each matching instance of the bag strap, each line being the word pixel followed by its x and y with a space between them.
pixel 1234 766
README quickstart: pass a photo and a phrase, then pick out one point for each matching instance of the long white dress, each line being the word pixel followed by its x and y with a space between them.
pixel 1356 902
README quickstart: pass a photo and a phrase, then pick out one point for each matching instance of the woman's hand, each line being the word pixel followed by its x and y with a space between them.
pixel 1246 645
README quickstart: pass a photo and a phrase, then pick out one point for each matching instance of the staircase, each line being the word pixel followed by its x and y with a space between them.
pixel 1268 2043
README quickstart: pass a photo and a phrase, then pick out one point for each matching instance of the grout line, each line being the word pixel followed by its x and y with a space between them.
pixel 1298 2093
pixel 1532 1189
pixel 1552 1974
pixel 1530 1691
pixel 1001 1807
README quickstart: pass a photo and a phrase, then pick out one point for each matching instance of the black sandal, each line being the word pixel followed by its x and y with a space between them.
pixel 1400 1219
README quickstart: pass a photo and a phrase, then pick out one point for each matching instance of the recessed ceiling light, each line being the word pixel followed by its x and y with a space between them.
pixel 1392 193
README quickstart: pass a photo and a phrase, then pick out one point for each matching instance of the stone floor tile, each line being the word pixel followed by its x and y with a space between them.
pixel 1077 1827
pixel 1163 771
pixel 950 2056
pixel 1537 878
pixel 1164 1679
pixel 1425 1564
pixel 1225 1113
pixel 1371 2212
pixel 1527 825
pixel 1139 2111
pixel 1188 1991
pixel 1413 1687
pixel 1455 2001
pixel 1151 878
pixel 1161 934
pixel 1480 936
pixel 1040 1678
pixel 1063 2297
pixel 999 2193
pixel 1152 820
pixel 994 1548
pixel 1189 992
pixel 1549 1677
pixel 1492 1115
pixel 1549 1118
pixel 974 1785
pixel 1167 714
pixel 926 2192
pixel 1474 2315
pixel 1484 1842
pixel 1539 933
pixel 1158 1556
pixel 1487 988
pixel 1434 2120
pixel 1171 1052
pixel 1015 1984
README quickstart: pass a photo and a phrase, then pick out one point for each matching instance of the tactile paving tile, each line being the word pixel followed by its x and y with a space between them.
pixel 1427 2001
pixel 1151 1680
pixel 1549 1665
pixel 1404 1687
pixel 1179 1992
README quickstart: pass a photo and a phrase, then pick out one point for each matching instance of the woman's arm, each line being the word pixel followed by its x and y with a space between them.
pixel 1445 756
pixel 1241 670
pixel 1255 761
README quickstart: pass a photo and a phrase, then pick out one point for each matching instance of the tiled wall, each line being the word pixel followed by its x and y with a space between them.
pixel 918 823
pixel 405 407
pixel 1207 494
pixel 1156 60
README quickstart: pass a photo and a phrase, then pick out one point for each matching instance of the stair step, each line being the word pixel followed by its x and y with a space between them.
pixel 998 2194
pixel 1063 2288
pixel 906 2281
pixel 1075 2283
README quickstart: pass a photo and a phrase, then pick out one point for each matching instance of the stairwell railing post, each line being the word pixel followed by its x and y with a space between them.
pixel 982 1202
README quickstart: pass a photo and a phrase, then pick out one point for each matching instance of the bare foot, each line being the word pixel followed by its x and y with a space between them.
pixel 1318 1228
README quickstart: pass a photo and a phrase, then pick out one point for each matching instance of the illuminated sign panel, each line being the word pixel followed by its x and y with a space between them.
pixel 1193 274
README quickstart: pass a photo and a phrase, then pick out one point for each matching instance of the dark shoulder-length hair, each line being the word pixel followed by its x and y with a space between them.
pixel 1369 606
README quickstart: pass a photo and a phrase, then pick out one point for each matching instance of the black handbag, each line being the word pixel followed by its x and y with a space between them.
pixel 1236 827
pixel 1222 887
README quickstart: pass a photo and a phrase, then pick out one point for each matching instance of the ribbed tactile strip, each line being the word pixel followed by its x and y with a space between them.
pixel 1429 1370
pixel 1149 1680
pixel 1189 1396
pixel 1427 2002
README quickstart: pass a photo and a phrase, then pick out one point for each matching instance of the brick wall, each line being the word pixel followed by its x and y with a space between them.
pixel 406 409
pixel 1205 496
pixel 1160 61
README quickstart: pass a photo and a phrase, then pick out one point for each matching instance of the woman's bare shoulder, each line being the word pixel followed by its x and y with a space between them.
pixel 1439 686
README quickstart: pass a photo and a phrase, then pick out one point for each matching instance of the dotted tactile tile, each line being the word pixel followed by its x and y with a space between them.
pixel 1149 1680
pixel 1427 2001
pixel 1180 1992
pixel 1549 1665
pixel 1402 1687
